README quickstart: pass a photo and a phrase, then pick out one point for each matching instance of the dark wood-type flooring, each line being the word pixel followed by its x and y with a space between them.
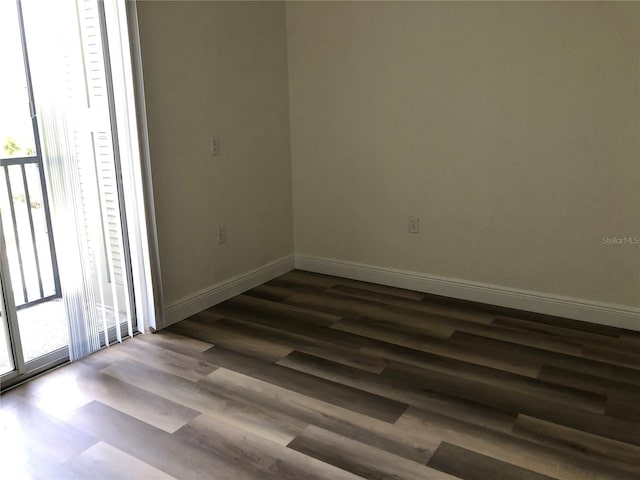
pixel 310 377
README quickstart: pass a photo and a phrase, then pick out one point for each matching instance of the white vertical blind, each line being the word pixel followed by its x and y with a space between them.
pixel 135 177
pixel 75 108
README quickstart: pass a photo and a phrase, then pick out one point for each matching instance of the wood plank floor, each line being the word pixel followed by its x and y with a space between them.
pixel 317 377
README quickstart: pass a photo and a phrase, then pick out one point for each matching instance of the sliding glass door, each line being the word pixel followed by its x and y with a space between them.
pixel 67 279
pixel 34 330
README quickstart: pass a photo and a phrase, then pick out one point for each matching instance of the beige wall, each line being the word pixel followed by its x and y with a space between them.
pixel 217 68
pixel 511 129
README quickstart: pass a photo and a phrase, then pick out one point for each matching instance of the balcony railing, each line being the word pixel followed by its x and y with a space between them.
pixel 26 223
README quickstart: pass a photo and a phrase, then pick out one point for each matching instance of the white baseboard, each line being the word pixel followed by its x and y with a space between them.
pixel 225 290
pixel 574 308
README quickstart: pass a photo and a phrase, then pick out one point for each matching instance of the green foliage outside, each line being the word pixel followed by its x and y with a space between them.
pixel 11 147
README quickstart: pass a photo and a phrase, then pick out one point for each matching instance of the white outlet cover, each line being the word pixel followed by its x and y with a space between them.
pixel 214 145
pixel 222 235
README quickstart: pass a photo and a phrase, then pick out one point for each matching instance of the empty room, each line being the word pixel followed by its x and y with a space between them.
pixel 319 240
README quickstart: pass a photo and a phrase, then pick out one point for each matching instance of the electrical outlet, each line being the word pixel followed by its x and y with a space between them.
pixel 222 234
pixel 414 224
pixel 214 145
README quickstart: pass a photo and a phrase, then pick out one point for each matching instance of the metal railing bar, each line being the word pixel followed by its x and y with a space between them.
pixel 27 199
pixel 47 219
pixel 15 231
pixel 5 162
pixel 38 301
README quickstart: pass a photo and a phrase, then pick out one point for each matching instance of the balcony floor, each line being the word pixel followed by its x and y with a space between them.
pixel 43 329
